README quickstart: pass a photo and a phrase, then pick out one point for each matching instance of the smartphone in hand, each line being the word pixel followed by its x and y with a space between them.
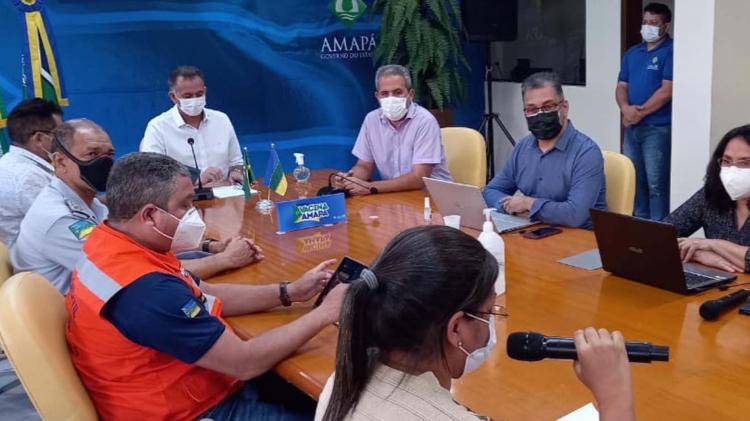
pixel 347 271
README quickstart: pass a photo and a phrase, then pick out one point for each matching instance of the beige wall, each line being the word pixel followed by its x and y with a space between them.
pixel 731 68
pixel 711 88
pixel 692 96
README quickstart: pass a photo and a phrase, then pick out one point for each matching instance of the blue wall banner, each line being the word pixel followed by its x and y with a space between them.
pixel 311 212
pixel 296 73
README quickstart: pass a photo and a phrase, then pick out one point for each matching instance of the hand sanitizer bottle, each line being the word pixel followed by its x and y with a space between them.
pixel 301 173
pixel 494 243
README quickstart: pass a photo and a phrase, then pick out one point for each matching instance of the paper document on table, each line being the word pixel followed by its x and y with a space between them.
pixel 589 260
pixel 585 413
pixel 230 191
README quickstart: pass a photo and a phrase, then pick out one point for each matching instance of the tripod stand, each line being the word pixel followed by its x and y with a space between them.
pixel 491 118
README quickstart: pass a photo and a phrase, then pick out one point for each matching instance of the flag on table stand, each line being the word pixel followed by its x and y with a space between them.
pixel 4 143
pixel 274 177
pixel 249 177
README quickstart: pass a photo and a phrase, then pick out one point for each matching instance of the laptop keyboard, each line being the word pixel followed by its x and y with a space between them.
pixel 696 280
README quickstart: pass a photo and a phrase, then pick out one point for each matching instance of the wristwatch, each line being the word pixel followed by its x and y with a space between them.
pixel 205 245
pixel 284 294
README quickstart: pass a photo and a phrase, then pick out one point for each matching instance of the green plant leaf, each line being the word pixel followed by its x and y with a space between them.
pixel 425 36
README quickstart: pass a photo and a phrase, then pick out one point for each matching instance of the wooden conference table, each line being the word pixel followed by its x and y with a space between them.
pixel 707 377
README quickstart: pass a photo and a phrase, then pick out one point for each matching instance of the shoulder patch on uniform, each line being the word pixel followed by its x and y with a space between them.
pixel 76 210
pixel 81 229
pixel 191 308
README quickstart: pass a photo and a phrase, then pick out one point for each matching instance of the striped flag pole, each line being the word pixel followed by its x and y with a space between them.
pixel 4 143
pixel 42 70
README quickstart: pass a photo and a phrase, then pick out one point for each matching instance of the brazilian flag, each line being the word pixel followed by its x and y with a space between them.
pixel 42 69
pixel 274 177
pixel 249 177
pixel 4 141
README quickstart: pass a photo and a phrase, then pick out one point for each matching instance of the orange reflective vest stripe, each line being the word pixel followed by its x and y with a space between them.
pixel 127 381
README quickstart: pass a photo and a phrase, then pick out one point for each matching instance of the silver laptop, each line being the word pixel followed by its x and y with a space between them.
pixel 466 200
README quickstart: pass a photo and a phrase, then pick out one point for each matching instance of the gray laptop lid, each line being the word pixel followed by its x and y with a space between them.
pixel 457 199
pixel 466 200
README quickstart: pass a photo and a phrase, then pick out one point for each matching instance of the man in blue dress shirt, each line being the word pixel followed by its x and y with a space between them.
pixel 558 170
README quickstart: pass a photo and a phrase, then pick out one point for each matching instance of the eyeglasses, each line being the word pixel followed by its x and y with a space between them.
pixel 532 111
pixel 740 163
pixel 496 310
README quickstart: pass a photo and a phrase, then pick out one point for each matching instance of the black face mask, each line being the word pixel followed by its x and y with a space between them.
pixel 94 172
pixel 544 126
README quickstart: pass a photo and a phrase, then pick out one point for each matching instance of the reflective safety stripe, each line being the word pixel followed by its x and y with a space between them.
pixel 95 280
pixel 210 303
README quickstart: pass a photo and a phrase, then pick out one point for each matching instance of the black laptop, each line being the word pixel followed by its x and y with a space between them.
pixel 647 251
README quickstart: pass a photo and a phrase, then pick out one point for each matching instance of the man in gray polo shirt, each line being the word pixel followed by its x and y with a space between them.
pixel 401 139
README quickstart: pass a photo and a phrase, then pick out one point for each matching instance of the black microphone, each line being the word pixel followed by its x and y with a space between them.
pixel 712 309
pixel 201 193
pixel 532 346
pixel 333 190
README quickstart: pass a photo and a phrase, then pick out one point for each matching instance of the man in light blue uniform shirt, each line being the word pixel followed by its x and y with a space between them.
pixel 67 210
pixel 558 170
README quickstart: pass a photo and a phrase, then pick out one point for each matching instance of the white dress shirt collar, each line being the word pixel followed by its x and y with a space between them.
pixel 32 156
pixel 179 121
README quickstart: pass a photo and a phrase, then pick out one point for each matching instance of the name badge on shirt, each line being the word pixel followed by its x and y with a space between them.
pixel 654 65
pixel 81 229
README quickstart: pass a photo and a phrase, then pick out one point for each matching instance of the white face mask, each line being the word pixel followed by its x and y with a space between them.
pixel 49 154
pixel 189 232
pixel 394 107
pixel 193 106
pixel 650 33
pixel 736 182
pixel 475 359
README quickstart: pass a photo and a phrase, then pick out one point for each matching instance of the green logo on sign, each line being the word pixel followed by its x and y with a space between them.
pixel 348 11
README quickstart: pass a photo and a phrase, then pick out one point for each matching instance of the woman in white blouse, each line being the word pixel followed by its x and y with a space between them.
pixel 424 315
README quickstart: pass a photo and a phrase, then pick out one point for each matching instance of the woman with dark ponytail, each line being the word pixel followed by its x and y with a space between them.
pixel 425 314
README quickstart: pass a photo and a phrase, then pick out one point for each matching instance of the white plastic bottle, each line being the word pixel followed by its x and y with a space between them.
pixel 427 211
pixel 494 243
pixel 301 173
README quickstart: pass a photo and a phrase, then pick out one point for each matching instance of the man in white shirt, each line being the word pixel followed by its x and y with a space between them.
pixel 25 170
pixel 217 149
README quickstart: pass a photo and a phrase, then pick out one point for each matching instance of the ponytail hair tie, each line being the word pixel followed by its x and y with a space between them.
pixel 370 279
